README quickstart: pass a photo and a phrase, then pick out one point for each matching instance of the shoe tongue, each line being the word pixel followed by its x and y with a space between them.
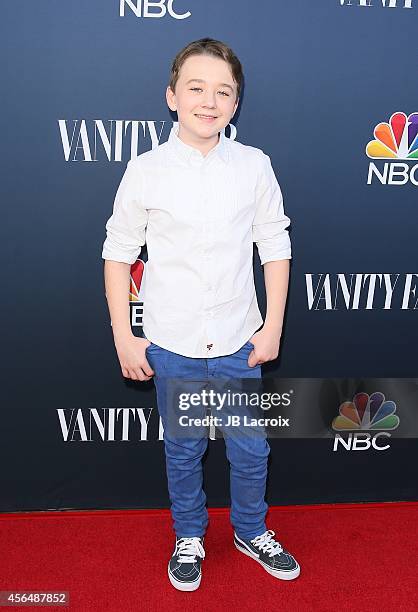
pixel 264 538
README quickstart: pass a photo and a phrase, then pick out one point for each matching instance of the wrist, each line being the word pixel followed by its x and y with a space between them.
pixel 122 335
pixel 273 328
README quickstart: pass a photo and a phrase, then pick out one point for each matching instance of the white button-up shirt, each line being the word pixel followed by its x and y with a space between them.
pixel 199 216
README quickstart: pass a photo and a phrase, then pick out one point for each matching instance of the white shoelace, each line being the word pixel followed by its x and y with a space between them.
pixel 266 543
pixel 188 549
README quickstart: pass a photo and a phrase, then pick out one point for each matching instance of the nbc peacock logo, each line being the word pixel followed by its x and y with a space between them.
pixel 394 140
pixel 397 139
pixel 137 292
pixel 136 289
pixel 366 412
pixel 368 420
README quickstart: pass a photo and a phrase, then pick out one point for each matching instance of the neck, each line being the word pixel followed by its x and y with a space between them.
pixel 204 145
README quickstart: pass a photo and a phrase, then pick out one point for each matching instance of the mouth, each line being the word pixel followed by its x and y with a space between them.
pixel 206 118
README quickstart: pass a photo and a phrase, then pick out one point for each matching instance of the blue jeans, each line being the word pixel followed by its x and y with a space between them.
pixel 247 455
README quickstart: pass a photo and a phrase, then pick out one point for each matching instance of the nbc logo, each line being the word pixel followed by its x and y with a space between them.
pixel 365 413
pixel 395 140
pixel 137 292
pixel 153 8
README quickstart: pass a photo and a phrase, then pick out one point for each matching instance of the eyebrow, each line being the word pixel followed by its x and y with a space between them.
pixel 202 81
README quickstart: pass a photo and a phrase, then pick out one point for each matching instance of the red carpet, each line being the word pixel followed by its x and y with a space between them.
pixel 352 557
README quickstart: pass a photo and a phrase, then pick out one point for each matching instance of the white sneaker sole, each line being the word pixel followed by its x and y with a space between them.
pixel 290 575
pixel 184 586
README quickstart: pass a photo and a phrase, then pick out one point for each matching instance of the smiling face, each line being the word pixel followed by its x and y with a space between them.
pixel 205 100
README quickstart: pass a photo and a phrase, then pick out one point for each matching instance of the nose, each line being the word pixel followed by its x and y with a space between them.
pixel 209 99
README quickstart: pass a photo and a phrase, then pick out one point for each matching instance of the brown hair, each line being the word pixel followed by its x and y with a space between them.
pixel 208 46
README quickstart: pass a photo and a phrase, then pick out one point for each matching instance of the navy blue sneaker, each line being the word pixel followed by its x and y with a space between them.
pixel 184 567
pixel 270 554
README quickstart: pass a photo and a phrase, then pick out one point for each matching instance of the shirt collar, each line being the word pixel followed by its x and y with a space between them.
pixel 187 151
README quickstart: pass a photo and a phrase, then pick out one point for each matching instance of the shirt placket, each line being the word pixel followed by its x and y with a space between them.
pixel 207 257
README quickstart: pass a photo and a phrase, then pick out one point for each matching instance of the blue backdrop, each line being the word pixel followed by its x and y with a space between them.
pixel 83 91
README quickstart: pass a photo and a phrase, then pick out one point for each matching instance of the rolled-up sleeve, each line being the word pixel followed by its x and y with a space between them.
pixel 270 222
pixel 125 229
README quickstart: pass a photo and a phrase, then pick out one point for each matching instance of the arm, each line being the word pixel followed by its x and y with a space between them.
pixel 117 280
pixel 125 235
pixel 276 278
pixel 274 247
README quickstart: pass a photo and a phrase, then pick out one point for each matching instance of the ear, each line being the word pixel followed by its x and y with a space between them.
pixel 171 98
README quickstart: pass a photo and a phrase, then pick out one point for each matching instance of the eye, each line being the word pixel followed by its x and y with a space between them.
pixel 200 89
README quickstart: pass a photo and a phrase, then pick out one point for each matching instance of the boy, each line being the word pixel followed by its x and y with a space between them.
pixel 199 201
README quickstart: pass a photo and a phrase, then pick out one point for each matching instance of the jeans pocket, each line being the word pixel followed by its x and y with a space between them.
pixel 153 347
pixel 150 347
